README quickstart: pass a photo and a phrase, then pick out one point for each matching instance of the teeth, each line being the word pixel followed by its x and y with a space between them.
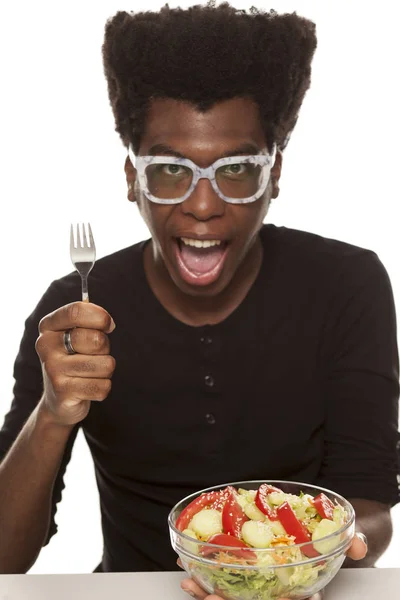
pixel 200 243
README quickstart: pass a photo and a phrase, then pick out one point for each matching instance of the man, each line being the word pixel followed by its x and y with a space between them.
pixel 241 351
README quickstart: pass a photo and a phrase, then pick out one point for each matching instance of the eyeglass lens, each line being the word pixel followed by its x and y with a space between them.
pixel 168 181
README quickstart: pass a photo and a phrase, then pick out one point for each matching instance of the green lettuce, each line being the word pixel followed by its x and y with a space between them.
pixel 258 585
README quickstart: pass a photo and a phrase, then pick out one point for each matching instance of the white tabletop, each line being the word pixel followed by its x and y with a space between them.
pixel 349 584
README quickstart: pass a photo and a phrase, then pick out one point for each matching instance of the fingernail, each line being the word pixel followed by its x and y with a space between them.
pixel 189 592
pixel 362 537
pixel 112 326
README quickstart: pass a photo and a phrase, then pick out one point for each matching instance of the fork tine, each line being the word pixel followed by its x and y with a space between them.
pixel 71 241
pixel 85 244
pixel 78 236
pixel 91 237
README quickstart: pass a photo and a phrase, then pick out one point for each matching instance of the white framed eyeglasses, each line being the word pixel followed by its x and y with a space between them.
pixel 171 180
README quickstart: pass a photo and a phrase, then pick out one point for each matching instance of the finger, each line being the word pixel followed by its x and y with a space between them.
pixel 78 314
pixel 179 563
pixel 358 548
pixel 86 341
pixel 72 390
pixel 94 367
pixel 194 590
pixel 317 596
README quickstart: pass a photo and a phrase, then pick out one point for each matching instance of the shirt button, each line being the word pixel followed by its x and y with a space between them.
pixel 210 418
pixel 206 340
pixel 209 380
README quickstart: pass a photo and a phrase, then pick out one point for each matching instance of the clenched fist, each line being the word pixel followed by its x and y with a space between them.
pixel 73 381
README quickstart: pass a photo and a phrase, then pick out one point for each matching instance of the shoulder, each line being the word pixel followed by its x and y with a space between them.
pixel 309 254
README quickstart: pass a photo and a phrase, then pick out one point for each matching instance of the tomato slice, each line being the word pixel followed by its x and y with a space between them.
pixel 222 539
pixel 233 515
pixel 214 499
pixel 294 527
pixel 324 506
pixel 262 502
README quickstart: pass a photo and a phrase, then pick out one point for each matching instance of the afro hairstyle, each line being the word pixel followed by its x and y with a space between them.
pixel 206 54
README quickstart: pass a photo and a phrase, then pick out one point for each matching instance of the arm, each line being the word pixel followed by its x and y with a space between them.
pixel 362 389
pixel 37 439
pixel 27 476
pixel 374 521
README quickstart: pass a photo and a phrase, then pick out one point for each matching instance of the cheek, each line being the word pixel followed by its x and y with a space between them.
pixel 262 205
pixel 145 208
pixel 156 217
pixel 249 218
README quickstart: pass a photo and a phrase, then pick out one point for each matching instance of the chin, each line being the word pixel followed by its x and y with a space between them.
pixel 202 291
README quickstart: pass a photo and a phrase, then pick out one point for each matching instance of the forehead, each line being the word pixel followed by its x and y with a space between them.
pixel 180 125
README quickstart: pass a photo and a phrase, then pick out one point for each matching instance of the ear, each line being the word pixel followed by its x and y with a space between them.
pixel 276 174
pixel 130 173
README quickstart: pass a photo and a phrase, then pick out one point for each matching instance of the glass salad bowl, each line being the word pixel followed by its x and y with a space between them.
pixel 262 540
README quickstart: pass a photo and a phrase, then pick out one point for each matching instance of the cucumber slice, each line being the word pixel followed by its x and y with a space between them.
pixel 253 512
pixel 324 528
pixel 206 523
pixel 190 546
pixel 242 501
pixel 248 494
pixel 190 533
pixel 277 498
pixel 277 527
pixel 339 515
pixel 257 534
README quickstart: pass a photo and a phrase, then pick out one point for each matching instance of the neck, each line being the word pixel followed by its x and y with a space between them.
pixel 197 310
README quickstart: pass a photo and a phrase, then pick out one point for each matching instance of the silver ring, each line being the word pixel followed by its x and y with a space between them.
pixel 67 342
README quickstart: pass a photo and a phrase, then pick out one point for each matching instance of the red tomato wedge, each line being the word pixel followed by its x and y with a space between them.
pixel 214 499
pixel 262 502
pixel 324 506
pixel 233 515
pixel 222 539
pixel 294 527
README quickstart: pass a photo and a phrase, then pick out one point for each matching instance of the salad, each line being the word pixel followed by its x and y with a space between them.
pixel 228 528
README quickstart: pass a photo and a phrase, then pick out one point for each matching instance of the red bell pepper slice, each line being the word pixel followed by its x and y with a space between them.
pixel 262 502
pixel 233 515
pixel 294 527
pixel 324 506
pixel 222 539
pixel 215 499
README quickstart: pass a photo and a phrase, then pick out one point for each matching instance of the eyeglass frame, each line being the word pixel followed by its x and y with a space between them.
pixel 141 162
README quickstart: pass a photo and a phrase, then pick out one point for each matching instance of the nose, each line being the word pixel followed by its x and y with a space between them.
pixel 204 203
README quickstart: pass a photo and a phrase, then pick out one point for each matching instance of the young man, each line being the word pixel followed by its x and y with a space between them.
pixel 242 351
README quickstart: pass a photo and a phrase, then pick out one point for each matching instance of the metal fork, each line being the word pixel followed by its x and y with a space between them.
pixel 83 256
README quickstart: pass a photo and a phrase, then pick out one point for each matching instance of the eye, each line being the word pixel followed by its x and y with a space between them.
pixel 173 169
pixel 235 169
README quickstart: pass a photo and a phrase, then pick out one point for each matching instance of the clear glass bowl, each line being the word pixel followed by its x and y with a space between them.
pixel 265 574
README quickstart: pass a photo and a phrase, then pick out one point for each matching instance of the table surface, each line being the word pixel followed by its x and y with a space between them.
pixel 349 584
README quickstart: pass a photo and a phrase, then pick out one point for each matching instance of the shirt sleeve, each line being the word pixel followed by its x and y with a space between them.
pixel 360 386
pixel 28 389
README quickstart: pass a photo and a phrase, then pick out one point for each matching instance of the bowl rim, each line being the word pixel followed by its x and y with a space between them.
pixel 236 484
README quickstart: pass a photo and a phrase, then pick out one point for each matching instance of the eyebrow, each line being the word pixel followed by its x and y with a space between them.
pixel 246 148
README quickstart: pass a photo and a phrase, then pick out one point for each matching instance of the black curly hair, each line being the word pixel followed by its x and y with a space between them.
pixel 206 54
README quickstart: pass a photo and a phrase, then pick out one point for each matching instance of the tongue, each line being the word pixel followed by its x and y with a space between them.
pixel 201 260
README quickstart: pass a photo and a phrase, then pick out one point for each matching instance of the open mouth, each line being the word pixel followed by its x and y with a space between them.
pixel 200 262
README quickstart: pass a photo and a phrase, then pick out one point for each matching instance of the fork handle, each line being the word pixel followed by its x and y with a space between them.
pixel 85 291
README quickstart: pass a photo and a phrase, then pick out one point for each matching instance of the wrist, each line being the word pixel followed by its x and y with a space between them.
pixel 47 421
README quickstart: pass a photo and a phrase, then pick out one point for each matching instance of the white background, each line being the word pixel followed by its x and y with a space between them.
pixel 62 162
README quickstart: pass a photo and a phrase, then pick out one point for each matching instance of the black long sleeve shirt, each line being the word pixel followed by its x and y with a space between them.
pixel 300 382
